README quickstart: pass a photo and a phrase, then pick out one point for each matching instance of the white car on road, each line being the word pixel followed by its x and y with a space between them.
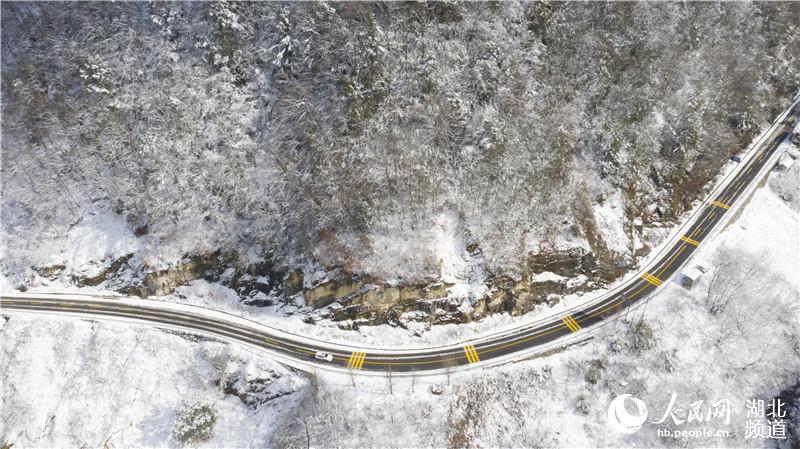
pixel 323 356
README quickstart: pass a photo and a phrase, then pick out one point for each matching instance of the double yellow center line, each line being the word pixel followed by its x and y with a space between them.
pixel 356 360
pixel 652 279
pixel 690 241
pixel 472 354
pixel 571 323
pixel 720 204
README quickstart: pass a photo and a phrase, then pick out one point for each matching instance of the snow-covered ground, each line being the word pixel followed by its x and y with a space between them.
pixel 732 338
pixel 80 383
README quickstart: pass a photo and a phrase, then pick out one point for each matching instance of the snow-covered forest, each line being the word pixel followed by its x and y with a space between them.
pixel 344 134
pixel 462 162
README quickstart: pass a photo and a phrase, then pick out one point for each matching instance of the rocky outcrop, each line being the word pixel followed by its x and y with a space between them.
pixel 255 283
pixel 383 298
pixel 601 266
pixel 518 297
pixel 294 282
pixel 563 263
pixel 357 301
pixel 328 292
pixel 253 391
pixel 163 282
pixel 361 292
pixel 99 278
pixel 50 272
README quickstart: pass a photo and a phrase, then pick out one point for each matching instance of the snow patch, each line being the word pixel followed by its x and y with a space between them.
pixel 610 217
pixel 97 241
pixel 449 249
pixel 75 383
pixel 547 276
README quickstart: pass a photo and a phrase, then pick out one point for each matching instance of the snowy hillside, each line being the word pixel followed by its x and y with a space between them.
pixel 397 175
pixel 391 144
pixel 732 337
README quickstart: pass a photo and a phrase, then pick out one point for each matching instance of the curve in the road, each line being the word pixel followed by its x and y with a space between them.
pixel 501 345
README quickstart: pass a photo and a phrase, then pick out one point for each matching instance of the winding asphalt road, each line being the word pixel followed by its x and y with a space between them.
pixel 486 348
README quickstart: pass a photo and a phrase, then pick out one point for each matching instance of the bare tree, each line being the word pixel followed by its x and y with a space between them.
pixel 729 277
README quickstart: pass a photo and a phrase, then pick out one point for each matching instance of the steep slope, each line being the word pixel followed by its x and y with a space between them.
pixel 443 147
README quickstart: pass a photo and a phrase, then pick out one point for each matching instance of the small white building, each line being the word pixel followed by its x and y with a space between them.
pixel 784 162
pixel 690 276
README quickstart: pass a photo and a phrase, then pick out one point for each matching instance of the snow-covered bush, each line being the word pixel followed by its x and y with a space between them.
pixel 195 423
pixel 641 335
